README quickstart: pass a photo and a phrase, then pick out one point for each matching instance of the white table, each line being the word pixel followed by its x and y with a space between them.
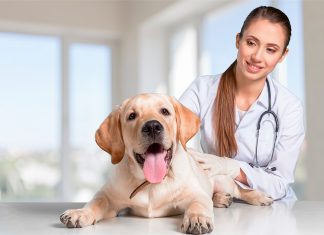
pixel 302 217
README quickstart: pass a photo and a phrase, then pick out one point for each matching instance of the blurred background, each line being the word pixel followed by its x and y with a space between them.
pixel 64 65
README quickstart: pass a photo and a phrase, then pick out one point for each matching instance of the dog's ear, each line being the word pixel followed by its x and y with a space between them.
pixel 109 137
pixel 187 122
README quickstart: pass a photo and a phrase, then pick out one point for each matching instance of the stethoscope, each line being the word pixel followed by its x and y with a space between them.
pixel 269 112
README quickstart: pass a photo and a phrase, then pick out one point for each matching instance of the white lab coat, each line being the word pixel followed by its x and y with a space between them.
pixel 199 97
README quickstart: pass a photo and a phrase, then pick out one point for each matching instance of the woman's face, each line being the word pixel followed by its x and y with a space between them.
pixel 260 48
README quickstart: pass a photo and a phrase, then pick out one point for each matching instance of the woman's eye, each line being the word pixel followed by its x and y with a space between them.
pixel 250 43
pixel 165 112
pixel 131 116
pixel 271 50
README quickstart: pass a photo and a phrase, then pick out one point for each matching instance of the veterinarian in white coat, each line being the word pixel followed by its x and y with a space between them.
pixel 230 107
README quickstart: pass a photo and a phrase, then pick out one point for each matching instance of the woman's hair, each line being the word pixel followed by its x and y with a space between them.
pixel 224 104
pixel 271 14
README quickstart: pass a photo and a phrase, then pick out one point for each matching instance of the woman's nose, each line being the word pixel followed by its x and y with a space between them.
pixel 257 55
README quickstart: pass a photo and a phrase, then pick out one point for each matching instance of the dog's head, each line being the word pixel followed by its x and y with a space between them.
pixel 147 129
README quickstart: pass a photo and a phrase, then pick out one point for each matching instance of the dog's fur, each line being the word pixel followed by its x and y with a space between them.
pixel 128 133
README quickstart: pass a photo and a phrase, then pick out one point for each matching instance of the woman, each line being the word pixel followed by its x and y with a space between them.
pixel 230 105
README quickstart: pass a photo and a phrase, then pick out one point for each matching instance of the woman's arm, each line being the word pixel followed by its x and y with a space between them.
pixel 276 183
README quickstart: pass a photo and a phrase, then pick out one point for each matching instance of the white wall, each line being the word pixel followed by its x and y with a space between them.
pixel 314 80
pixel 97 16
pixel 154 35
pixel 137 13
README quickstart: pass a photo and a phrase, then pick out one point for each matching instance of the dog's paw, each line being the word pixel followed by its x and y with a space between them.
pixel 260 199
pixel 222 200
pixel 265 200
pixel 78 218
pixel 197 224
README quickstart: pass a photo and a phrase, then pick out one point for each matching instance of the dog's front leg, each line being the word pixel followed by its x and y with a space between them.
pixel 199 216
pixel 98 208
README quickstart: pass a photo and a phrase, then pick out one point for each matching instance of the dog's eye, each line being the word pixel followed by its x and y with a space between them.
pixel 165 112
pixel 131 116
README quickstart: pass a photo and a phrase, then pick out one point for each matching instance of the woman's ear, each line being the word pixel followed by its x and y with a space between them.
pixel 237 41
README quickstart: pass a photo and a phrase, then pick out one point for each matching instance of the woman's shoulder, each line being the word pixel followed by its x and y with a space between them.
pixel 203 86
pixel 208 80
pixel 290 109
pixel 200 93
pixel 207 84
pixel 286 97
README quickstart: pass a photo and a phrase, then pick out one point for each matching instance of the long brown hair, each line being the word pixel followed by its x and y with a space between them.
pixel 224 104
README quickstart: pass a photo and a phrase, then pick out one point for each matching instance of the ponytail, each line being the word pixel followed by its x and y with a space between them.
pixel 224 114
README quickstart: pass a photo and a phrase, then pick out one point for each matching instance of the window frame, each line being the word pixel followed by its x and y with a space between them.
pixel 65 156
pixel 67 38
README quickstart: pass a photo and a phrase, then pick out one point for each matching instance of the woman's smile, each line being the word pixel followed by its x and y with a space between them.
pixel 252 68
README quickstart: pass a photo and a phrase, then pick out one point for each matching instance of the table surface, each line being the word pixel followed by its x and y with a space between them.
pixel 300 217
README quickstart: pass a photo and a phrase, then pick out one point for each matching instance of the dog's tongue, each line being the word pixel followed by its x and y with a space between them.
pixel 155 167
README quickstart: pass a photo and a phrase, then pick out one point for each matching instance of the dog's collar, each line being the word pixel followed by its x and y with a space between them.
pixel 138 188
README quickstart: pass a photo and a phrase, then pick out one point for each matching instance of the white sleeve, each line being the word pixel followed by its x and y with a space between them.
pixel 190 98
pixel 276 183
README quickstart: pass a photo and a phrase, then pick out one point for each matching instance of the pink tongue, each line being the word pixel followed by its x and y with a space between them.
pixel 155 167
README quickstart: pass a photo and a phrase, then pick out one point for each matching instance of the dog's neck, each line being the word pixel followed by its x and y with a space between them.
pixel 138 188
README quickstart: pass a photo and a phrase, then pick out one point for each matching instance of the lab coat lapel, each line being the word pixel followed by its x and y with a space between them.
pixel 260 103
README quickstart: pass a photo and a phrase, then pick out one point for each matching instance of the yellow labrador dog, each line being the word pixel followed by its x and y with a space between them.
pixel 153 175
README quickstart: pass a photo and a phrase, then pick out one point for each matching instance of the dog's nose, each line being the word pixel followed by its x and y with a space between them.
pixel 152 128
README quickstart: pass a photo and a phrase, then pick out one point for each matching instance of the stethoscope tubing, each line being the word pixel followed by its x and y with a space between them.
pixel 270 112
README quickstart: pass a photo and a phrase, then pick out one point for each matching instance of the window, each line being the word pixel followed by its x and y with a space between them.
pixel 40 140
pixel 30 116
pixel 90 103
